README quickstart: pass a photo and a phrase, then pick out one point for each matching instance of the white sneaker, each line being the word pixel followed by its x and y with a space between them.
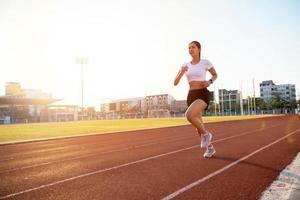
pixel 205 140
pixel 210 151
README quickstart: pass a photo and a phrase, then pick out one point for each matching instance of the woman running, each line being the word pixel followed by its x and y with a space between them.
pixel 198 96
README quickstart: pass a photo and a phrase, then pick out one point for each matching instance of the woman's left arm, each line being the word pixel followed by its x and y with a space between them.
pixel 214 74
pixel 213 78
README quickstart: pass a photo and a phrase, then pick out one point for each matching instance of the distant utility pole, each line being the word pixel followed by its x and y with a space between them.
pixel 251 105
pixel 222 103
pixel 248 105
pixel 229 103
pixel 254 106
pixel 219 104
pixel 215 99
pixel 81 61
pixel 241 99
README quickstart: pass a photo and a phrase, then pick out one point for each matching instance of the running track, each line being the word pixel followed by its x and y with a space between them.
pixel 153 164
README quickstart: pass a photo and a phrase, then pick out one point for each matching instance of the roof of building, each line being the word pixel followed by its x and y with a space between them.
pixel 268 82
pixel 126 99
pixel 62 106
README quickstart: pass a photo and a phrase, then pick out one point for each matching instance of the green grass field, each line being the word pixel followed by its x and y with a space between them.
pixel 18 132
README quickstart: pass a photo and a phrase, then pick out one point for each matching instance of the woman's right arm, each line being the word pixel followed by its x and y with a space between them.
pixel 179 75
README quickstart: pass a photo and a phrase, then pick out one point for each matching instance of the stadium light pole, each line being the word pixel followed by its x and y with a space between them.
pixel 81 61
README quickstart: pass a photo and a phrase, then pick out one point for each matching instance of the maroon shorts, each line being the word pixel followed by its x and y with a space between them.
pixel 202 94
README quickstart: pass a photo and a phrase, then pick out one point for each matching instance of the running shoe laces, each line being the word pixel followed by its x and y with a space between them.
pixel 210 151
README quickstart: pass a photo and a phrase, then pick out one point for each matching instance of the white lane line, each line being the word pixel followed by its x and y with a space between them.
pixel 97 172
pixel 90 155
pixel 83 146
pixel 184 189
pixel 119 150
pixel 73 146
pixel 24 156
pixel 122 131
pixel 123 165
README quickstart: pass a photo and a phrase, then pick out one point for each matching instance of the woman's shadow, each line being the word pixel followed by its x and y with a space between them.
pixel 245 162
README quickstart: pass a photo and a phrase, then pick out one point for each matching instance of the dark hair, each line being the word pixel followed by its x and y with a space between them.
pixel 197 44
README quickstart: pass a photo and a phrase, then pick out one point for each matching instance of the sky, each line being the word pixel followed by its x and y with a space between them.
pixel 134 48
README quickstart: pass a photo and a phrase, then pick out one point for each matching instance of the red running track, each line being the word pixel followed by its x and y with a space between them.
pixel 153 164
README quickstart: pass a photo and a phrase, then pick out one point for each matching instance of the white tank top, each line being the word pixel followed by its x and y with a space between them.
pixel 198 71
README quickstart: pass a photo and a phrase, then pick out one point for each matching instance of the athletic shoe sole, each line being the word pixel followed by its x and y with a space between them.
pixel 210 155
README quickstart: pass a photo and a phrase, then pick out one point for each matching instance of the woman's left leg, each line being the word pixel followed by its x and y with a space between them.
pixel 193 113
pixel 194 116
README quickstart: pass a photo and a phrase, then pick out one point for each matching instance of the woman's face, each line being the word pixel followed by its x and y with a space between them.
pixel 193 50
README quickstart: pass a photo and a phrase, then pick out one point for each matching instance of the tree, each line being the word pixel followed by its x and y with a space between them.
pixel 262 105
pixel 277 104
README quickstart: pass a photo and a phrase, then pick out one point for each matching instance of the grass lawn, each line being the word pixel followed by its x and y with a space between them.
pixel 18 132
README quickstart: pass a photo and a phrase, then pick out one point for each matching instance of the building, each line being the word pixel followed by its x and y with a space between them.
pixel 229 101
pixel 20 105
pixel 287 92
pixel 122 109
pixel 23 105
pixel 60 113
pixel 12 88
pixel 269 90
pixel 159 105
pixel 150 106
pixel 178 108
